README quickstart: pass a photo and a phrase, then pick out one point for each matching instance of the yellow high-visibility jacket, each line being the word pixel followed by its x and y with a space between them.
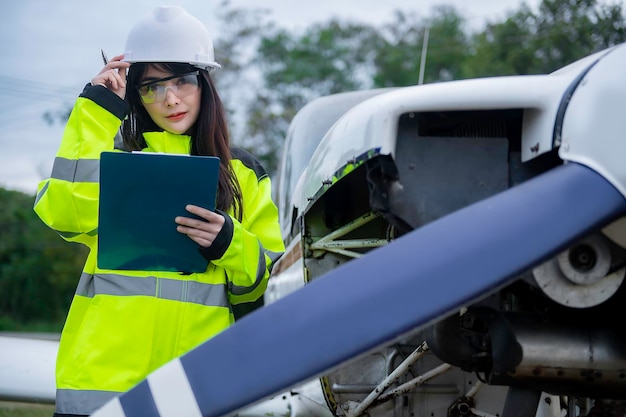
pixel 122 325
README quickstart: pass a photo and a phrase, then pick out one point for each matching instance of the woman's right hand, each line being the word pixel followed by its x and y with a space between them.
pixel 113 76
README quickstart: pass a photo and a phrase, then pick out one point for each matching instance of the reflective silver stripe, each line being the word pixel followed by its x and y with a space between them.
pixel 41 193
pixel 213 295
pixel 71 401
pixel 73 170
pixel 61 167
pixel 274 255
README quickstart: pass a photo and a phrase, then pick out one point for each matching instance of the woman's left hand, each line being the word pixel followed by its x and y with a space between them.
pixel 203 232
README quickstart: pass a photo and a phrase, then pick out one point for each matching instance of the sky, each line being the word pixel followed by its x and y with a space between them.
pixel 51 49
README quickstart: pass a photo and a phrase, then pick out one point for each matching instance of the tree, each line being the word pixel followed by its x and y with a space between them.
pixel 398 56
pixel 296 68
pixel 241 31
pixel 561 32
pixel 38 270
pixel 567 30
pixel 503 48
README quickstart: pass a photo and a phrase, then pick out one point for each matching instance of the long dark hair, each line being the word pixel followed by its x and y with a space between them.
pixel 210 134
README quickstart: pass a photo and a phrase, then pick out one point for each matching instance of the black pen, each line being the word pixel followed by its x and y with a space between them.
pixel 104 57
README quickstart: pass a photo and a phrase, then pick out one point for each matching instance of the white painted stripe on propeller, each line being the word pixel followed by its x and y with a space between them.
pixel 172 392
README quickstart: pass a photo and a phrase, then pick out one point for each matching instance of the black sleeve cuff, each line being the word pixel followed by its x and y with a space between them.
pixel 106 99
pixel 221 242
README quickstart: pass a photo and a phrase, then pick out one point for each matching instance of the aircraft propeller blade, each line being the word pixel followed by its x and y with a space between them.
pixel 406 285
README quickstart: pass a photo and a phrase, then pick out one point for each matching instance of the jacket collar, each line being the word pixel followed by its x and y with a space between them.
pixel 167 142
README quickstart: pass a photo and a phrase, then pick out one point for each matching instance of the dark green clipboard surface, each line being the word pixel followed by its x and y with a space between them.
pixel 140 195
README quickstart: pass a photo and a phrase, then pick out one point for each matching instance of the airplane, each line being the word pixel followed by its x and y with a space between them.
pixel 454 249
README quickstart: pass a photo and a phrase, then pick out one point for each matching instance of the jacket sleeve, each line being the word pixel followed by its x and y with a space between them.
pixel 256 242
pixel 67 202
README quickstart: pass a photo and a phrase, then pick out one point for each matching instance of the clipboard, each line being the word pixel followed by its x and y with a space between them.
pixel 140 195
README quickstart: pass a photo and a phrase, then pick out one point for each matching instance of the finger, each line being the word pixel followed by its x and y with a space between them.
pixel 117 81
pixel 200 211
pixel 194 223
pixel 117 68
pixel 203 239
pixel 203 242
pixel 118 65
pixel 113 80
pixel 194 231
pixel 99 81
pixel 196 235
pixel 122 71
pixel 106 79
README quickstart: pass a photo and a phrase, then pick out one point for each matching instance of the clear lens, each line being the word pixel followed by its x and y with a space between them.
pixel 181 85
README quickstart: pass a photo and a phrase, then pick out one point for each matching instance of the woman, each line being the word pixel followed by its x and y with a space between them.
pixel 122 325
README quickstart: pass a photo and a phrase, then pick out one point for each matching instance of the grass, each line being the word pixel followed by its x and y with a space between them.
pixel 14 409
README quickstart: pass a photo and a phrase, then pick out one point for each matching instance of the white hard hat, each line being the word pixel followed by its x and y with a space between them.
pixel 170 34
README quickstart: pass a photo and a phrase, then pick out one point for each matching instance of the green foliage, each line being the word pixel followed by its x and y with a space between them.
pixel 561 32
pixel 236 50
pixel 503 48
pixel 38 270
pixel 325 59
pixel 398 60
pixel 569 29
pixel 447 45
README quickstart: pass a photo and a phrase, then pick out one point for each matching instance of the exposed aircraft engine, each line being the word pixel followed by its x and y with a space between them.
pixel 546 344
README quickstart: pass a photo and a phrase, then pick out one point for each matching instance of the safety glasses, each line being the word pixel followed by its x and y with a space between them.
pixel 181 85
